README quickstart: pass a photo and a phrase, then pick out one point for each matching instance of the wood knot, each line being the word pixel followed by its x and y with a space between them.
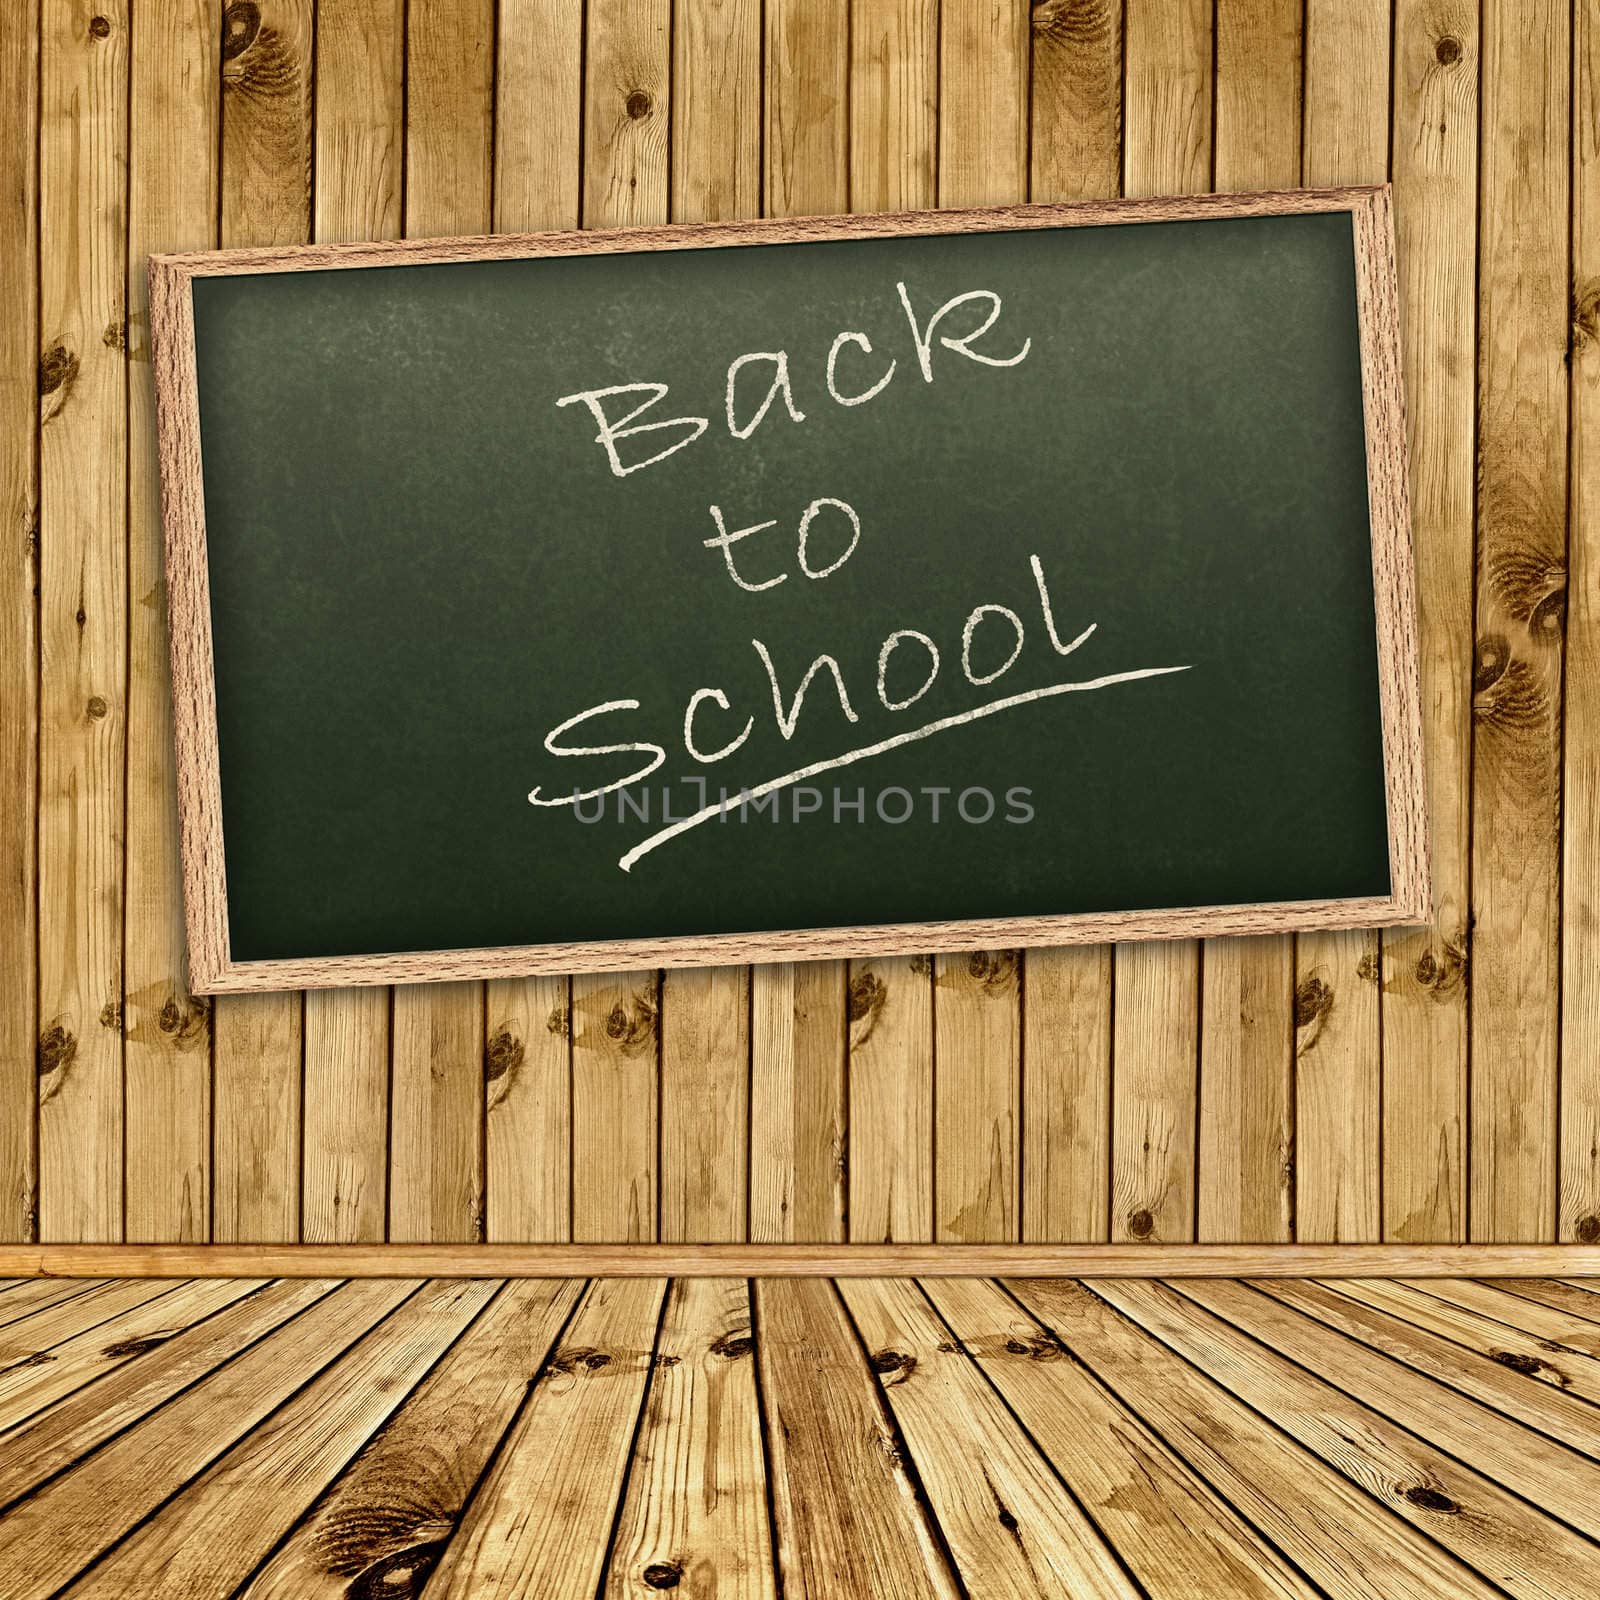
pixel 1587 1229
pixel 921 966
pixel 733 1345
pixel 892 1364
pixel 867 995
pixel 111 1015
pixel 1430 1499
pixel 558 1022
pixel 135 1347
pixel 184 1019
pixel 1312 999
pixel 1585 320
pixel 39 1358
pixel 638 105
pixel 1442 975
pixel 663 1574
pixel 96 707
pixel 1141 1224
pixel 502 1055
pixel 99 27
pixel 994 970
pixel 241 22
pixel 1072 22
pixel 58 366
pixel 568 1362
pixel 399 1575
pixel 667 1361
pixel 58 1048
pixel 1447 51
pixel 1368 968
pixel 115 336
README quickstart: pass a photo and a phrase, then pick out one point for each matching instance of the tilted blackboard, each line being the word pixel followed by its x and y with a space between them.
pixel 497 569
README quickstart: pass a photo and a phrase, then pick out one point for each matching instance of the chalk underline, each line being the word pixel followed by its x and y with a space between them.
pixel 850 757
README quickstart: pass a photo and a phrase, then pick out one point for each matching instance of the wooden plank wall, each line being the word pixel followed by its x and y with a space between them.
pixel 1438 1084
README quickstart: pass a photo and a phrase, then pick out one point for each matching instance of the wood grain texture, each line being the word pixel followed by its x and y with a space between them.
pixel 893 138
pixel 359 171
pixel 1276 1440
pixel 82 441
pixel 436 1105
pixel 173 128
pixel 19 628
pixel 848 1517
pixel 696 1510
pixel 385 1518
pixel 257 1040
pixel 1579 1207
pixel 1247 1114
pixel 616 1073
pixel 1521 580
pixel 567 1454
pixel 1010 1529
pixel 1337 997
pixel 1426 972
pixel 847 115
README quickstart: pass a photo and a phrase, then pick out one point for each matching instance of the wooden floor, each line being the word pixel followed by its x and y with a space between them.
pixel 1440 1083
pixel 805 1437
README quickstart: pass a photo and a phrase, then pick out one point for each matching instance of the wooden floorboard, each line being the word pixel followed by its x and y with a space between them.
pixel 796 1438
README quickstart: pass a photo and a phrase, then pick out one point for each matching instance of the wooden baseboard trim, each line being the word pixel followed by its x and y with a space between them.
pixel 794 1260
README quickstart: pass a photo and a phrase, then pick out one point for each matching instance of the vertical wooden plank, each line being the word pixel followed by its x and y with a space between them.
pixel 1167 148
pixel 983 160
pixel 626 114
pixel 894 78
pixel 983 103
pixel 19 641
pixel 1075 153
pixel 538 117
pixel 1246 1189
pixel 1426 978
pixel 696 1511
pixel 83 173
pixel 360 153
pixel 1076 148
pixel 894 104
pixel 716 110
pixel 1066 1094
pixel 797 1103
pixel 172 205
pixel 266 199
pixel 615 1079
pixel 616 1059
pixel 344 1177
pixel 705 1013
pixel 1521 611
pixel 1155 1043
pixel 891 1099
pixel 705 1103
pixel 1580 878
pixel 977 1096
pixel 436 1126
pixel 1338 1073
pixel 798 1093
pixel 807 101
pixel 528 1079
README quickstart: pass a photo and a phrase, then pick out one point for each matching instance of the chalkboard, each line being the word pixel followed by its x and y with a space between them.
pixel 768 590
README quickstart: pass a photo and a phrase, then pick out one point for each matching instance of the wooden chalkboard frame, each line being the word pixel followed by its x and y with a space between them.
pixel 211 967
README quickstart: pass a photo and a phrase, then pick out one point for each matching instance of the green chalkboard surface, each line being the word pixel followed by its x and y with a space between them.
pixel 1013 573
